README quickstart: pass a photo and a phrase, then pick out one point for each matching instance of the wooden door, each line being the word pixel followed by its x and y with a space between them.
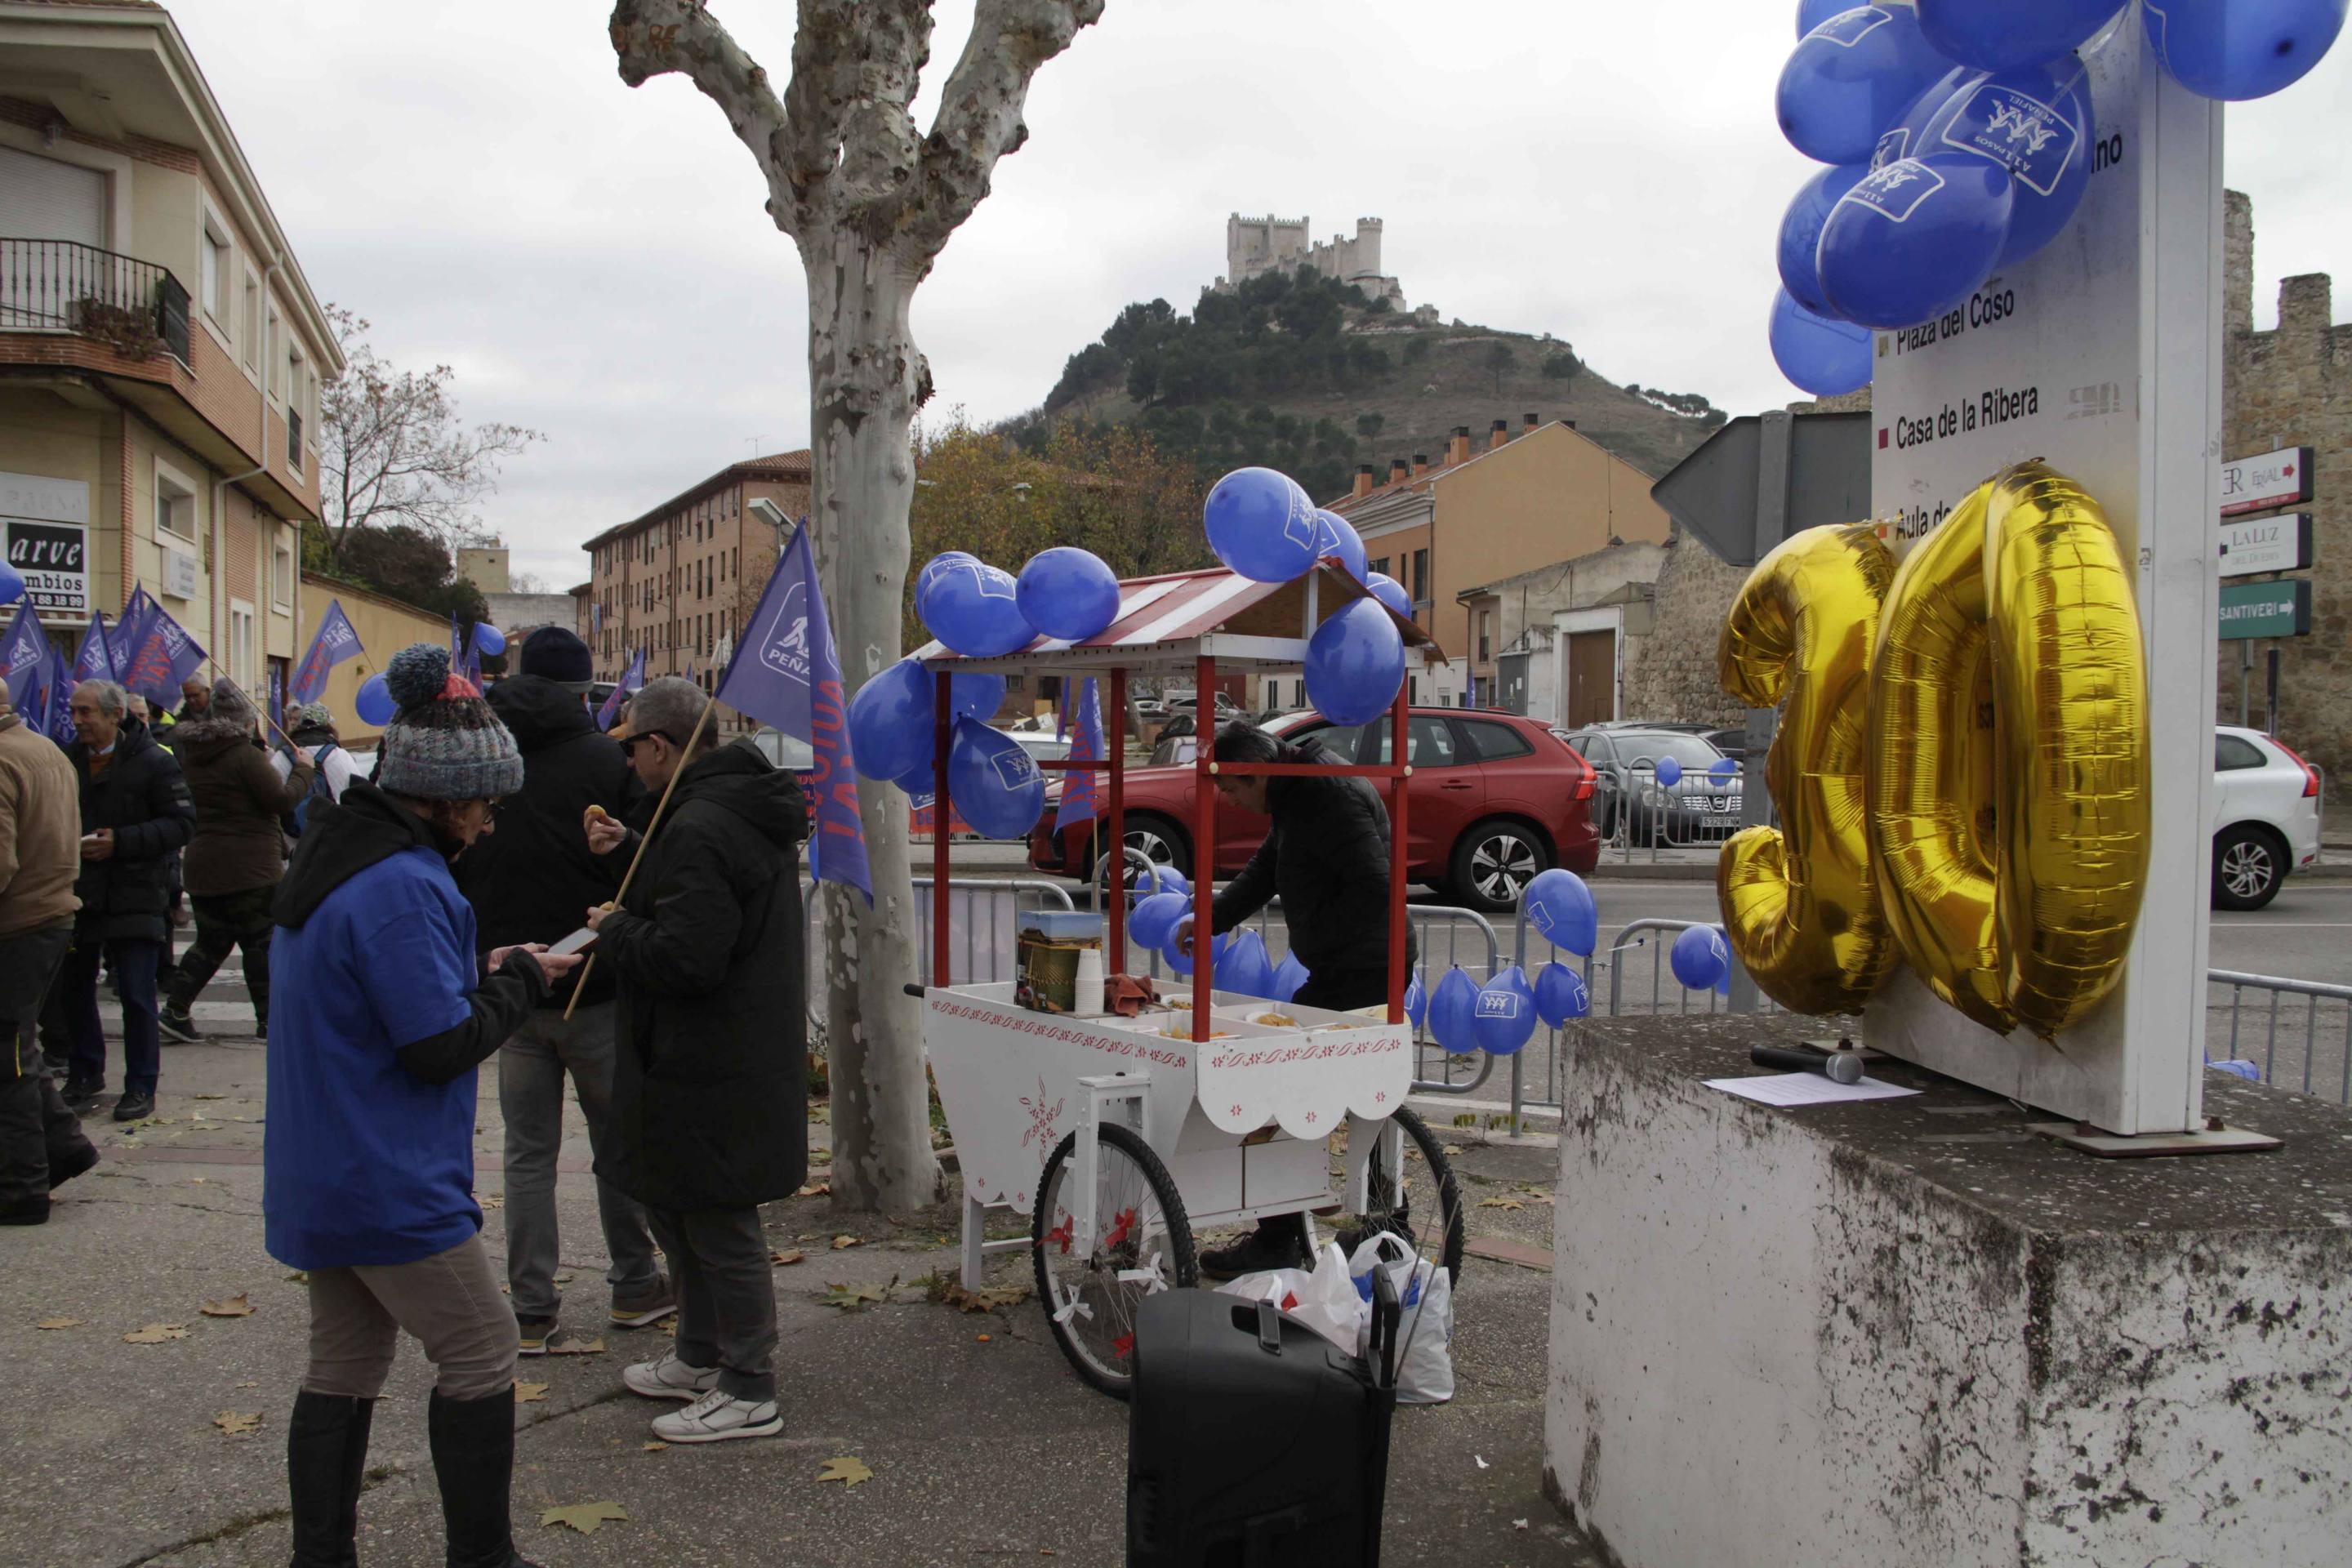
pixel 1591 677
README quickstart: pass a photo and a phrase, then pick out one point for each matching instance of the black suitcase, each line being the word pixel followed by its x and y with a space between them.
pixel 1250 1440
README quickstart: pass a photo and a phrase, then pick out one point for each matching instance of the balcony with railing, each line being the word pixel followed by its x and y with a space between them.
pixel 135 307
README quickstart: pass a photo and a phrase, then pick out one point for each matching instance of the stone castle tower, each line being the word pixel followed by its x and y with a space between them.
pixel 1257 246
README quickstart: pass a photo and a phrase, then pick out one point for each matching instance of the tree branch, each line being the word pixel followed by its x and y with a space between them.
pixel 980 116
pixel 657 37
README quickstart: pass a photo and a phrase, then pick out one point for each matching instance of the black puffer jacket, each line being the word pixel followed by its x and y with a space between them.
pixel 709 1089
pixel 143 797
pixel 532 877
pixel 1326 859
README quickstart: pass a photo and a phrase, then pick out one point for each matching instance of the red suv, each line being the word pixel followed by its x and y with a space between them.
pixel 1496 799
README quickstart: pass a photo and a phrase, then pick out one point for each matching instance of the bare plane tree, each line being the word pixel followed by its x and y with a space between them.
pixel 870 201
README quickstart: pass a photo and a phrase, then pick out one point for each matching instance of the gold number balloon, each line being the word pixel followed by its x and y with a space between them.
pixel 1798 902
pixel 1972 787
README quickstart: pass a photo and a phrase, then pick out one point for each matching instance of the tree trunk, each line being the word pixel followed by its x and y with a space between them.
pixel 865 380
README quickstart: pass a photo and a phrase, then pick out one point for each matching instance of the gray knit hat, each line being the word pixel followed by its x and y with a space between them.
pixel 445 743
pixel 311 716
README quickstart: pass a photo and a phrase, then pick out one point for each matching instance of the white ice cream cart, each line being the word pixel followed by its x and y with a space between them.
pixel 1124 1137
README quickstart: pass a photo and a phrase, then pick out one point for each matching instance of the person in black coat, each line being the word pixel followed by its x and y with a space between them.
pixel 1326 859
pixel 709 1097
pixel 528 882
pixel 135 814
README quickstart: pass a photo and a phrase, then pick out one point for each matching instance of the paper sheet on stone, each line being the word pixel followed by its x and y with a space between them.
pixel 1787 1088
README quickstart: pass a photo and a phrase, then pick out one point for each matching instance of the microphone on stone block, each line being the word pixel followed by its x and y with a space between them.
pixel 1838 1067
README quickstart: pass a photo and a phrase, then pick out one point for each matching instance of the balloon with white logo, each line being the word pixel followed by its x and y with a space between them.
pixel 1261 524
pixel 1355 664
pixel 1389 591
pixel 1560 994
pixel 1996 34
pixel 1800 232
pixel 1335 535
pixel 975 609
pixel 1560 905
pixel 1068 593
pixel 993 783
pixel 2035 121
pixel 1812 14
pixel 1503 1014
pixel 1851 78
pixel 1700 959
pixel 2240 49
pixel 1825 356
pixel 1416 1000
pixel 1914 239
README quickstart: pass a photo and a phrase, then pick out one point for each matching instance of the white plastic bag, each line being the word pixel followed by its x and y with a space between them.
pixel 1424 1323
pixel 1324 1299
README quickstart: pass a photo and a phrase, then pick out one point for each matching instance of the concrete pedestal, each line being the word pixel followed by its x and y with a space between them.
pixel 1910 1332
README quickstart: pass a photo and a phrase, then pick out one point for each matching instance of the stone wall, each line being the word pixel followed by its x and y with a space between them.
pixel 1669 674
pixel 2291 387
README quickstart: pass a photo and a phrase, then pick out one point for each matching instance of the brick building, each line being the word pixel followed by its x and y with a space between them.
pixel 680 580
pixel 161 351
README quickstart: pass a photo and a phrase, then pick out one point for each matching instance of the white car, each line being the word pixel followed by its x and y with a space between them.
pixel 2265 816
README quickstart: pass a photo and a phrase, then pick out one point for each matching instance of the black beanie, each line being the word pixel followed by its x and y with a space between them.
pixel 557 655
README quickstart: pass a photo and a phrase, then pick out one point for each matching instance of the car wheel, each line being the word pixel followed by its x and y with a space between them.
pixel 2249 866
pixel 1493 862
pixel 1156 837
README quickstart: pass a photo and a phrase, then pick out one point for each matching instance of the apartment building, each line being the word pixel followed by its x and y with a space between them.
pixel 680 580
pixel 161 350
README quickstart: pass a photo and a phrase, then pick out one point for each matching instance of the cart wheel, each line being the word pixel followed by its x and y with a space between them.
pixel 1143 1245
pixel 1425 1209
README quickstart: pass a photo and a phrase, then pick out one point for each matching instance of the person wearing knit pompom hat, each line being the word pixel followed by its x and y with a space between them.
pixel 382 1014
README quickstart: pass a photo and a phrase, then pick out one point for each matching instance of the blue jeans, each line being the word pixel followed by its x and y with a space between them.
pixel 134 972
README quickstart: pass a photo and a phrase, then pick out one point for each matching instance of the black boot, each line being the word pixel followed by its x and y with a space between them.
pixel 326 1458
pixel 473 1458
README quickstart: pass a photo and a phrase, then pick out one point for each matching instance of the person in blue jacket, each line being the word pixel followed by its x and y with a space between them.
pixel 382 1016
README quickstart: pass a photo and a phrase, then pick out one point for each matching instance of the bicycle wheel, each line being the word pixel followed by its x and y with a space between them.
pixel 1426 1210
pixel 1143 1245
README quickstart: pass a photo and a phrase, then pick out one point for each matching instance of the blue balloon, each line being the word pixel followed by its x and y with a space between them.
pixel 1914 239
pixel 975 696
pixel 1825 356
pixel 1669 771
pixel 1906 137
pixel 1068 593
pixel 1724 770
pixel 1152 922
pixel 1243 968
pixel 373 703
pixel 1505 1014
pixel 1261 524
pixel 1560 994
pixel 489 641
pixel 891 733
pixel 1170 880
pixel 975 609
pixel 1559 905
pixel 2238 49
pixel 936 568
pixel 12 583
pixel 1995 35
pixel 1390 592
pixel 992 782
pixel 1355 664
pixel 1416 1001
pixel 1181 964
pixel 1288 976
pixel 1812 14
pixel 2035 121
pixel 923 780
pixel 1800 232
pixel 1335 535
pixel 1699 958
pixel 1452 1011
pixel 1853 76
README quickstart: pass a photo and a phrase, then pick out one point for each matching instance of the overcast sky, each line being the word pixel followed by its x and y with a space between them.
pixel 595 262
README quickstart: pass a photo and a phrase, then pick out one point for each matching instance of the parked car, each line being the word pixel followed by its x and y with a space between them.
pixel 1495 798
pixel 2266 804
pixel 1699 809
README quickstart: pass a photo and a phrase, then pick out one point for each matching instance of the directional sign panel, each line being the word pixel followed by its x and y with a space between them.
pixel 2274 479
pixel 1822 463
pixel 2257 545
pixel 2280 609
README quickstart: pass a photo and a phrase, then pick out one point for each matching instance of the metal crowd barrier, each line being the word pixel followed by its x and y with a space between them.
pixel 984 923
pixel 2303 1043
pixel 1697 811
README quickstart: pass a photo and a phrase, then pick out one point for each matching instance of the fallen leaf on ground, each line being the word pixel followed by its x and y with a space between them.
pixel 1482 1461
pixel 846 1471
pixel 235 1423
pixel 530 1393
pixel 815 1190
pixel 212 1097
pixel 853 1297
pixel 577 1347
pixel 299 1277
pixel 1519 1524
pixel 1500 1204
pixel 654 1447
pixel 979 1338
pixel 492 1201
pixel 987 1300
pixel 236 1306
pixel 254 1383
pixel 669 1325
pixel 564 1277
pixel 152 1121
pixel 786 1259
pixel 1453 1149
pixel 584 1517
pixel 841 1241
pixel 155 1334
pixel 58 1324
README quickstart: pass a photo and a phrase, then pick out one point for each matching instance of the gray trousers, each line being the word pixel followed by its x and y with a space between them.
pixel 726 1295
pixel 449 1302
pixel 38 1133
pixel 531 1066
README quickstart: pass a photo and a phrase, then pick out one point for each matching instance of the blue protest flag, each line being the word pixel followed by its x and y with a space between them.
pixel 164 656
pixel 784 672
pixel 130 629
pixel 61 698
pixel 24 656
pixel 1082 791
pixel 337 640
pixel 632 681
pixel 94 660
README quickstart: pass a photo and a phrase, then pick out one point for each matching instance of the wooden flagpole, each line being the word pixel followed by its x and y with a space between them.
pixel 643 839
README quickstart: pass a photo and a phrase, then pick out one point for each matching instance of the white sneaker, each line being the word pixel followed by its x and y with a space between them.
pixel 717 1416
pixel 670 1378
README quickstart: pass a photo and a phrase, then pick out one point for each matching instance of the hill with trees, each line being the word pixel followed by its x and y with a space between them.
pixel 1300 373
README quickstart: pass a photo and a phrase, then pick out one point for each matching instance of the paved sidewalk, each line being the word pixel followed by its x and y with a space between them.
pixel 984 1447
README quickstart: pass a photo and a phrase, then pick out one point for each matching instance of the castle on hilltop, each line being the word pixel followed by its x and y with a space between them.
pixel 1257 246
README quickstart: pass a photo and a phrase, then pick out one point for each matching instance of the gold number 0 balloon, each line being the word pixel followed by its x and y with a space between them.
pixel 1798 902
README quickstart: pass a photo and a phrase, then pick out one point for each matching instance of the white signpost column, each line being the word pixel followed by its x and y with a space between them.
pixel 2101 356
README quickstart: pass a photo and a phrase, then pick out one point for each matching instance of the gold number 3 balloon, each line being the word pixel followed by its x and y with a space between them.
pixel 2003 853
